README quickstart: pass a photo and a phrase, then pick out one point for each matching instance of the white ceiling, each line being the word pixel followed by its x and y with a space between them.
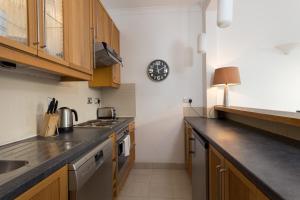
pixel 124 4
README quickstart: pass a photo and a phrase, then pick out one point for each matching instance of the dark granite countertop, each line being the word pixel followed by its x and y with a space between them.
pixel 82 140
pixel 272 163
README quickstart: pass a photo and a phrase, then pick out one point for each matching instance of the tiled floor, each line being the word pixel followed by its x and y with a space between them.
pixel 157 184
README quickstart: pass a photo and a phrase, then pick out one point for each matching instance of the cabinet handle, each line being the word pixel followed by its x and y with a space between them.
pixel 218 167
pixel 43 46
pixel 221 172
pixel 192 146
pixel 191 152
pixel 35 43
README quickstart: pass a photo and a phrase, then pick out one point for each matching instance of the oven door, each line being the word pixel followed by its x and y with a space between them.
pixel 122 159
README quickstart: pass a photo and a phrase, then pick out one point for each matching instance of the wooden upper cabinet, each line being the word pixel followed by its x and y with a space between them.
pixel 115 43
pixel 115 38
pixel 36 33
pixel 18 25
pixel 105 31
pixel 54 187
pixel 102 23
pixel 53 30
pixel 80 35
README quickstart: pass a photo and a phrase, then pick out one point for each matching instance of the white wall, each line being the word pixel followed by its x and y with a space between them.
pixel 169 34
pixel 270 79
pixel 23 102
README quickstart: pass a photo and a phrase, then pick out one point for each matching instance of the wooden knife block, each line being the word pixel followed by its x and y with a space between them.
pixel 50 125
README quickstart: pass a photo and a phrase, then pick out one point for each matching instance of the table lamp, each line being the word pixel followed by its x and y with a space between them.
pixel 226 76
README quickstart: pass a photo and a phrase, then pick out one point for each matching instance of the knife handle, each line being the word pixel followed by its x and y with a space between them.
pixel 55 107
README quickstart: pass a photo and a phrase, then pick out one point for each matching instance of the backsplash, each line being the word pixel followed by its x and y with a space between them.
pixel 123 99
pixel 24 101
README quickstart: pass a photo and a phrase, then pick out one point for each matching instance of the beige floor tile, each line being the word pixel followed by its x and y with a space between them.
pixel 182 183
pixel 135 189
pixel 141 178
pixel 188 198
pixel 159 198
pixel 141 171
pixel 161 179
pixel 181 179
pixel 132 198
pixel 157 184
pixel 162 171
pixel 183 192
pixel 160 191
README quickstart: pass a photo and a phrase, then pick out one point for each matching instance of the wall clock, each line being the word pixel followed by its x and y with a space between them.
pixel 158 70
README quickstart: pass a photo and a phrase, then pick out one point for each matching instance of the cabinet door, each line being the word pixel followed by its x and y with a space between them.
pixel 54 187
pixel 237 186
pixel 53 30
pixel 80 35
pixel 18 25
pixel 115 43
pixel 188 148
pixel 115 38
pixel 102 23
pixel 216 185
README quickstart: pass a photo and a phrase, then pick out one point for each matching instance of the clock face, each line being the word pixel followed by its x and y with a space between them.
pixel 158 70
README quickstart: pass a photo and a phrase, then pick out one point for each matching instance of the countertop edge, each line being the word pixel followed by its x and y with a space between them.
pixel 245 171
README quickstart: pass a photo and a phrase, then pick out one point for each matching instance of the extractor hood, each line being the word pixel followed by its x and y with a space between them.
pixel 105 55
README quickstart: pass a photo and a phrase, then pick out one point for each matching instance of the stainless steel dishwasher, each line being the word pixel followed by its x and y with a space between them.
pixel 90 177
pixel 199 167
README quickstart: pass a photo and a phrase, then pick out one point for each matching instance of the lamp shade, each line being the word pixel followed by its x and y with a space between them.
pixel 225 13
pixel 227 76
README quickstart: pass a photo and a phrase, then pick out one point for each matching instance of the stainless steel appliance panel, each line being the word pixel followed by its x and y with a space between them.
pixel 199 168
pixel 66 119
pixel 90 177
pixel 106 113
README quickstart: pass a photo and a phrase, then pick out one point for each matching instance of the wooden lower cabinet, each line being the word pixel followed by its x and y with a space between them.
pixel 54 187
pixel 226 182
pixel 216 162
pixel 131 159
pixel 132 141
pixel 114 164
pixel 188 137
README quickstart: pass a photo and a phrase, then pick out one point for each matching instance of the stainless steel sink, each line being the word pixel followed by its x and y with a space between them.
pixel 11 165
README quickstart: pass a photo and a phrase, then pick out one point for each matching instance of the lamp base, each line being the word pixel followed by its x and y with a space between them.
pixel 226 96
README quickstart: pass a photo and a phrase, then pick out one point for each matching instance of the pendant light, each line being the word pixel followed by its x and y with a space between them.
pixel 225 13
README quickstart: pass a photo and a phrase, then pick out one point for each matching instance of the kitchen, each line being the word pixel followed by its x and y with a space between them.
pixel 124 99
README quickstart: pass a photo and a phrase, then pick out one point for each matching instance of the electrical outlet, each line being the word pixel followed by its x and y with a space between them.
pixel 187 99
pixel 97 101
pixel 90 100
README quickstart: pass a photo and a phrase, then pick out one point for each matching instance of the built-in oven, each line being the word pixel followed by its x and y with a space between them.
pixel 123 146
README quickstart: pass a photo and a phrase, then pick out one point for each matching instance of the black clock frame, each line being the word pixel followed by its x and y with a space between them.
pixel 167 74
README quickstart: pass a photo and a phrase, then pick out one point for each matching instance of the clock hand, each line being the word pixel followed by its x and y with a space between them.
pixel 161 68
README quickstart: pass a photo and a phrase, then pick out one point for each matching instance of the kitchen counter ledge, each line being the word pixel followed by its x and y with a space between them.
pixel 272 163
